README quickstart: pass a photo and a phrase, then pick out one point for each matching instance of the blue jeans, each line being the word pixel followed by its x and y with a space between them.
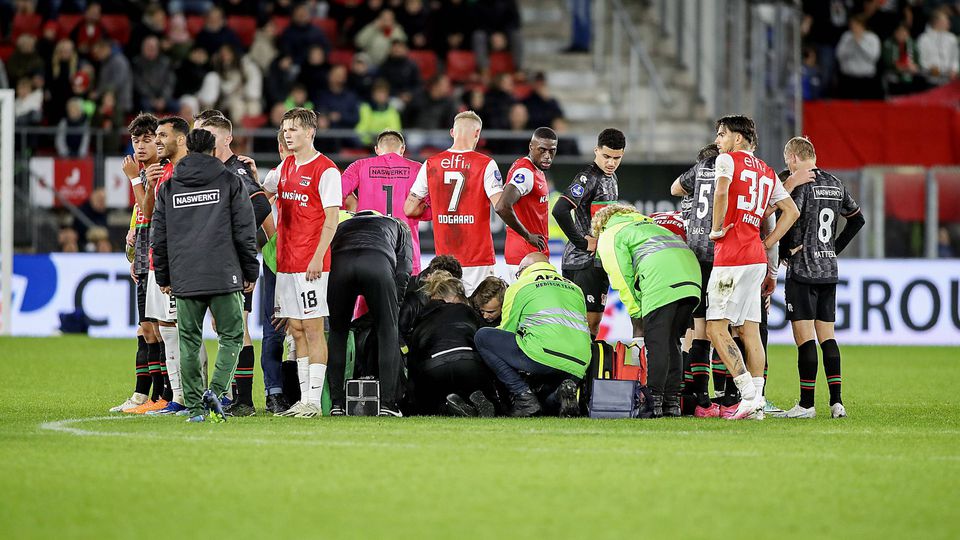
pixel 580 35
pixel 500 352
pixel 271 347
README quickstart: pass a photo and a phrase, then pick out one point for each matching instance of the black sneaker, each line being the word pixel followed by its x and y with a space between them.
pixel 656 405
pixel 484 406
pixel 276 404
pixel 567 396
pixel 388 410
pixel 337 410
pixel 524 405
pixel 671 405
pixel 239 409
pixel 457 406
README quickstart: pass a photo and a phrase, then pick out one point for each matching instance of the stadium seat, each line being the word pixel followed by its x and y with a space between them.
pixel 329 27
pixel 118 27
pixel 194 25
pixel 25 24
pixel 6 50
pixel 281 23
pixel 254 122
pixel 461 65
pixel 67 23
pixel 245 27
pixel 904 196
pixel 501 62
pixel 426 61
pixel 341 57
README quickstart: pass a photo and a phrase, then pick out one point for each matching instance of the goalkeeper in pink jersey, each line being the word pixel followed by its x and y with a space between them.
pixel 382 183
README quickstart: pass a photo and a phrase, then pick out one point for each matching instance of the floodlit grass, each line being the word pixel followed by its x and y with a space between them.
pixel 69 469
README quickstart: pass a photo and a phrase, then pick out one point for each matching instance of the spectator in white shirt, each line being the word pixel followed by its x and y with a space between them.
pixel 857 54
pixel 938 51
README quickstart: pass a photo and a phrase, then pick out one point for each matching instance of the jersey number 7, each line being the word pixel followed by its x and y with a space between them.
pixel 456 178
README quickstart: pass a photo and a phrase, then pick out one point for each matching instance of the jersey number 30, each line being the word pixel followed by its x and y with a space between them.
pixel 456 178
pixel 755 204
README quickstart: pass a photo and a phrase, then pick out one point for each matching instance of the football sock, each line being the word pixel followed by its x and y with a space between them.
pixel 687 387
pixel 143 370
pixel 303 373
pixel 244 376
pixel 831 368
pixel 807 366
pixel 700 366
pixel 719 374
pixel 315 391
pixel 171 345
pixel 745 384
pixel 758 384
pixel 153 362
pixel 167 393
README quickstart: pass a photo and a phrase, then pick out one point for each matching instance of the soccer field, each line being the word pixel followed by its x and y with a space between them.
pixel 68 469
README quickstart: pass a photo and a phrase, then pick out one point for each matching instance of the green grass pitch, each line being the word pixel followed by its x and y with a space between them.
pixel 890 470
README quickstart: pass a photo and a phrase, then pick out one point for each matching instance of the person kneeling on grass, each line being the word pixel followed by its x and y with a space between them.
pixel 658 278
pixel 544 335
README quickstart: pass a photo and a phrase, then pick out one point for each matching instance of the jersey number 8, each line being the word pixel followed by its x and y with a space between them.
pixel 825 230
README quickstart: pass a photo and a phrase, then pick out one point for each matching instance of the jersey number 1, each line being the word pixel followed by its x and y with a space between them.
pixel 456 178
pixel 389 189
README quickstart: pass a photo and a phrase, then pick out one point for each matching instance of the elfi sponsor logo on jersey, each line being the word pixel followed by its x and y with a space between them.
pixel 456 162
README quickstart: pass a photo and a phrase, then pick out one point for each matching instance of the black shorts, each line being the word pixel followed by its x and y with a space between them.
pixel 811 301
pixel 700 312
pixel 248 302
pixel 595 285
pixel 142 298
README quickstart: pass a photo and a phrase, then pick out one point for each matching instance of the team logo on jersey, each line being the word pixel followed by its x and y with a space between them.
pixel 196 198
pixel 497 177
pixel 576 190
pixel 305 181
pixel 518 178
pixel 241 170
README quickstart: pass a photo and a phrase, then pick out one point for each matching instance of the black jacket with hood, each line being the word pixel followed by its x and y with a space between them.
pixel 203 233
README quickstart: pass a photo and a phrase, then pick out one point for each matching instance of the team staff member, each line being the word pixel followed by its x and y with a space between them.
pixel 812 246
pixel 205 254
pixel 371 255
pixel 592 189
pixel 658 279
pixel 544 334
pixel 523 206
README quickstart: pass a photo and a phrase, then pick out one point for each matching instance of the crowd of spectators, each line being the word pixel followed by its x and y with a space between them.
pixel 364 65
pixel 870 49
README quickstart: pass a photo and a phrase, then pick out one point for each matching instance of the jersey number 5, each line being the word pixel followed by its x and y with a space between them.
pixel 755 204
pixel 456 178
pixel 703 200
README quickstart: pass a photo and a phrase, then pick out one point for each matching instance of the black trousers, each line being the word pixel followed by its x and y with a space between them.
pixel 662 330
pixel 461 374
pixel 368 273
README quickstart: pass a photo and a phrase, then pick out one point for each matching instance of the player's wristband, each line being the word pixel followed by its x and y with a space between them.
pixel 716 234
pixel 135 181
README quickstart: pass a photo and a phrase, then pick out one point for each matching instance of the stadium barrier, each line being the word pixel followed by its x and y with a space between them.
pixel 879 302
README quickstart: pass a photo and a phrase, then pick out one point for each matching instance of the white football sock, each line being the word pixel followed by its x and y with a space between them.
pixel 748 391
pixel 315 392
pixel 171 345
pixel 758 384
pixel 139 399
pixel 303 373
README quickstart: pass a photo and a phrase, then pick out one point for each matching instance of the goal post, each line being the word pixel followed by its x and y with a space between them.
pixel 6 211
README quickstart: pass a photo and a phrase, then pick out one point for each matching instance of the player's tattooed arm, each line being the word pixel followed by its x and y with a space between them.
pixel 414 206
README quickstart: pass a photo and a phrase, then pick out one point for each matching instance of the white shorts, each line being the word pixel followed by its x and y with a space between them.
pixel 733 293
pixel 297 298
pixel 511 276
pixel 473 275
pixel 162 307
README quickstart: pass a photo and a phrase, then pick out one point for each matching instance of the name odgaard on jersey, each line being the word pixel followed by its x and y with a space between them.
pixel 455 219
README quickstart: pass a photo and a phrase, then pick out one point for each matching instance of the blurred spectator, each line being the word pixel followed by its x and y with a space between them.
pixel 89 30
pixel 95 210
pixel 376 38
pixel 450 26
pixel 566 145
pixel 301 34
pixel 28 103
pixel 153 78
pixel 68 240
pixel 401 72
pixel 938 51
pixel 80 86
pixel 580 28
pixel 178 36
pixel 215 33
pixel 73 132
pixel 432 107
pixel 192 72
pixel 824 22
pixel 542 107
pixel 243 7
pixel 900 62
pixel 49 36
pixel 882 16
pixel 113 75
pixel 4 81
pixel 98 240
pixel 340 104
pixel 473 100
pixel 241 84
pixel 25 62
pixel 268 145
pixel 360 79
pixel 298 98
pixel 498 26
pixel 944 246
pixel 413 17
pixel 152 24
pixel 857 55
pixel 314 72
pixel 359 15
pixel 517 123
pixel 63 67
pixel 280 78
pixel 377 115
pixel 264 49
pixel 108 117
pixel 497 102
pixel 811 81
